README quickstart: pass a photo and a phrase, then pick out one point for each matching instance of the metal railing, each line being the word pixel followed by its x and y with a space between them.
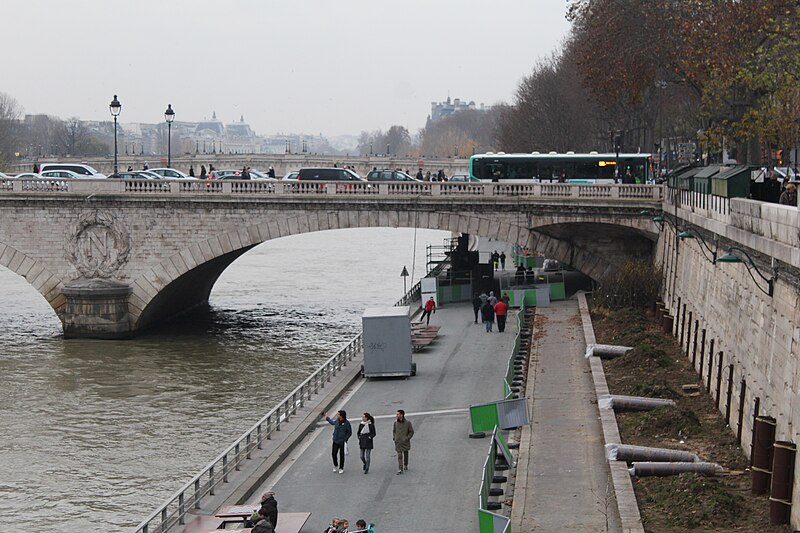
pixel 174 509
pixel 489 522
pixel 259 188
pixel 509 377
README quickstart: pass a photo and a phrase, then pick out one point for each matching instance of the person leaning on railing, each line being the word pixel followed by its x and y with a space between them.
pixel 789 195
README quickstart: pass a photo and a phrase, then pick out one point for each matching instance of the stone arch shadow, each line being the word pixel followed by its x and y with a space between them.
pixel 184 281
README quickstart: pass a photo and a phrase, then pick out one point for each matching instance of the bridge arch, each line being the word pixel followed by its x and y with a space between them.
pixel 185 279
pixel 43 280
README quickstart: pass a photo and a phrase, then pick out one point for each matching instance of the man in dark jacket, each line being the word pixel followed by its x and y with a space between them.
pixel 341 434
pixel 487 313
pixel 270 507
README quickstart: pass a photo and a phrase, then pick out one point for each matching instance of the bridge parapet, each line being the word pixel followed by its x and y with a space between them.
pixel 577 191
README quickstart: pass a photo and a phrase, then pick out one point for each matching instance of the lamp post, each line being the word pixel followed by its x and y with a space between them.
pixel 115 107
pixel 731 257
pixel 169 116
pixel 689 233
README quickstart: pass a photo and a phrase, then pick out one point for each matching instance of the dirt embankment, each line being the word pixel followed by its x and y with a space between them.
pixel 689 502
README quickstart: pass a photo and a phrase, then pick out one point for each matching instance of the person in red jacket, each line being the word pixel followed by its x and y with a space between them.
pixel 430 307
pixel 500 312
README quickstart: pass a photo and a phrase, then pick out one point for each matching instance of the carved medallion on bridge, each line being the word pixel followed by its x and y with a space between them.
pixel 98 245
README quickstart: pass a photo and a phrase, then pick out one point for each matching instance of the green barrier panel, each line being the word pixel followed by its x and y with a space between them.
pixel 485 521
pixel 456 293
pixel 483 417
pixel 501 441
pixel 530 297
pixel 557 291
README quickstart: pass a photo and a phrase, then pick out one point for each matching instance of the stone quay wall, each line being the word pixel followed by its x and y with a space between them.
pixel 745 343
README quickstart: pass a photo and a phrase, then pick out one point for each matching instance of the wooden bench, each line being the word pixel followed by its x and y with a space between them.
pixel 291 522
pixel 202 524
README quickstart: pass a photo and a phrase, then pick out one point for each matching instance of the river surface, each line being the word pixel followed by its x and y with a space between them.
pixel 94 435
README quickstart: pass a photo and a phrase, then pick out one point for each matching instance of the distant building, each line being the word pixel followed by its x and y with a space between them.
pixel 440 110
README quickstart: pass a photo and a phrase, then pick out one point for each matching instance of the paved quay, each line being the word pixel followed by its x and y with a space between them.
pixel 563 479
pixel 439 492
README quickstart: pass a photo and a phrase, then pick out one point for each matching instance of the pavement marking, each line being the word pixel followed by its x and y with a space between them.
pixel 424 413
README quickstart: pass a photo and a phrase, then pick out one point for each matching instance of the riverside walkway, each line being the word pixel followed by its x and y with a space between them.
pixel 562 480
pixel 439 492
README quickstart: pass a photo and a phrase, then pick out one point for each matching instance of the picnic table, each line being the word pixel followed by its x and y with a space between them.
pixel 287 522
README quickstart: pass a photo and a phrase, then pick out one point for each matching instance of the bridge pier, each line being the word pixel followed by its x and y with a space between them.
pixel 97 309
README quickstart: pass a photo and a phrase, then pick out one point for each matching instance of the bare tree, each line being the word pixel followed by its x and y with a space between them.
pixel 10 111
pixel 71 135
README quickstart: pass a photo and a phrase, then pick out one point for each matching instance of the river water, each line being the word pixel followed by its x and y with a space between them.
pixel 94 435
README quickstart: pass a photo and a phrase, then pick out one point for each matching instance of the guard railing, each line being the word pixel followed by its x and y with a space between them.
pixel 174 510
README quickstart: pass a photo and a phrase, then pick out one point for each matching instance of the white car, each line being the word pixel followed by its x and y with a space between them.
pixel 4 177
pixel 258 175
pixel 65 174
pixel 171 173
pixel 84 171
pixel 291 176
pixel 28 176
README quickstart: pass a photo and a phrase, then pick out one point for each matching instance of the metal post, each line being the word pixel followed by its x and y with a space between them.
pixel 116 168
pixel 169 144
pixel 728 394
pixel 719 379
pixel 742 393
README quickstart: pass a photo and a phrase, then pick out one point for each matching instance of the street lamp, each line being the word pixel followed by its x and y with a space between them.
pixel 115 107
pixel 169 116
pixel 731 257
pixel 692 234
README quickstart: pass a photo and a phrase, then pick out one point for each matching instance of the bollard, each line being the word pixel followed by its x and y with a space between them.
pixel 762 454
pixel 780 501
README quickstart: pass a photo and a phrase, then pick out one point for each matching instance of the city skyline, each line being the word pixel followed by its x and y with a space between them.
pixel 285 67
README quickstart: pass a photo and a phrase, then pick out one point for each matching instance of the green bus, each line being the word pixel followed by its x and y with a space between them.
pixel 566 168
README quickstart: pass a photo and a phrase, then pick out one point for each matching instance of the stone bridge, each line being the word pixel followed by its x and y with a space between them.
pixel 112 257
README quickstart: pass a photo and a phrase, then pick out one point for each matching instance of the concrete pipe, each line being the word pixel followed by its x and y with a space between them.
pixel 780 501
pixel 633 403
pixel 764 437
pixel 606 351
pixel 629 453
pixel 644 469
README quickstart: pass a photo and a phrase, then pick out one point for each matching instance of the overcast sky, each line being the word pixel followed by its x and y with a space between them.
pixel 299 66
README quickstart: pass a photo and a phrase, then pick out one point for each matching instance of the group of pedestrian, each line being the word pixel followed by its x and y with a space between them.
pixel 428 176
pixel 490 309
pixel 499 259
pixel 402 432
pixel 341 525
pixel 775 191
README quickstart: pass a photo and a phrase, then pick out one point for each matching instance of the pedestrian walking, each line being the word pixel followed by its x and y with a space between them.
pixel 402 432
pixel 271 172
pixel 341 434
pixel 492 298
pixel 191 174
pixel 501 311
pixel 476 305
pixel 484 298
pixel 365 433
pixel 430 308
pixel 203 172
pixel 145 166
pixel 503 260
pixel 487 315
pixel 495 259
pixel 130 168
pixel 420 177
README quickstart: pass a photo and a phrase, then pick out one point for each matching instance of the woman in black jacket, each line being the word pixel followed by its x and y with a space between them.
pixel 366 432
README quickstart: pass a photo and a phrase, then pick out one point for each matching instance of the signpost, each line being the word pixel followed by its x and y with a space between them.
pixel 404 275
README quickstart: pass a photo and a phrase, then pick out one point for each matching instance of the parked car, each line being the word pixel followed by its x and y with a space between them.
pixel 328 174
pixel 28 176
pixel 291 176
pixel 171 173
pixel 390 175
pixel 149 175
pixel 4 176
pixel 135 175
pixel 462 178
pixel 85 171
pixel 63 174
pixel 258 175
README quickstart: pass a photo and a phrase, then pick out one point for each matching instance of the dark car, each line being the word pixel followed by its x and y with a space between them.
pixel 389 175
pixel 328 174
